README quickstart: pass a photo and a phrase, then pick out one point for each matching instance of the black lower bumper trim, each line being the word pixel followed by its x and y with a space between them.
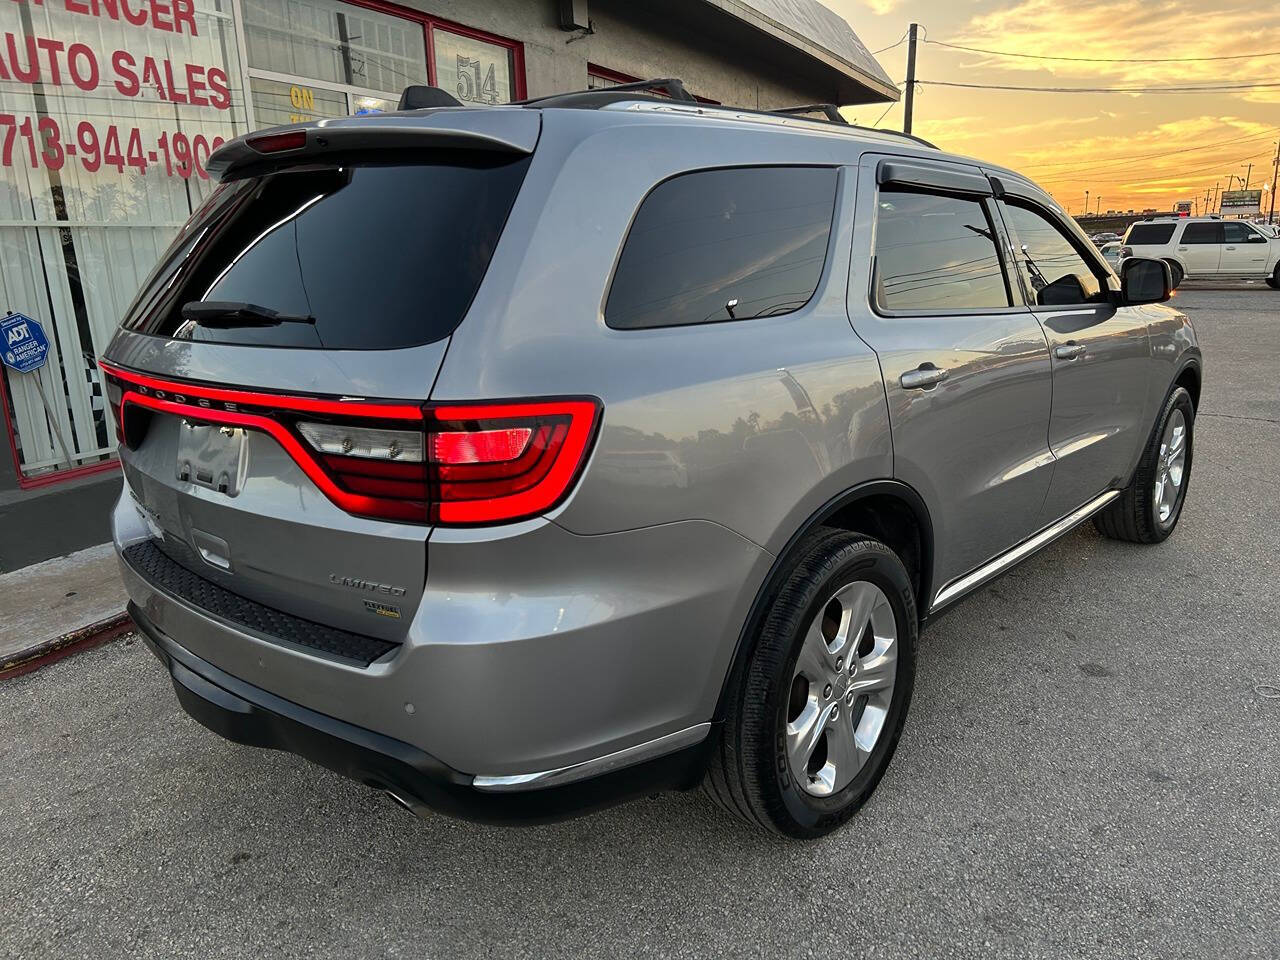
pixel 250 715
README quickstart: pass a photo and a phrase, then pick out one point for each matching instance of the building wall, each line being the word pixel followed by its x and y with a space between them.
pixel 630 39
pixel 78 233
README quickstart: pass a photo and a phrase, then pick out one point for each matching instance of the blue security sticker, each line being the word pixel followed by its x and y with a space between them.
pixel 23 344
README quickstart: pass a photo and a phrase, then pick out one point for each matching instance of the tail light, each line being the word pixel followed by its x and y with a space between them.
pixel 451 464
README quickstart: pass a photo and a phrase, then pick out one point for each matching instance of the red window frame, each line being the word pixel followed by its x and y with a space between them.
pixel 613 76
pixel 431 23
pixel 54 476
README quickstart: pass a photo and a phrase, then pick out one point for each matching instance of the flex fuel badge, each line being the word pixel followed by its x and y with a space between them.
pixel 382 609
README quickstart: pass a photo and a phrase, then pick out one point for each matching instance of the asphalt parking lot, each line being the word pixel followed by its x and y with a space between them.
pixel 1089 770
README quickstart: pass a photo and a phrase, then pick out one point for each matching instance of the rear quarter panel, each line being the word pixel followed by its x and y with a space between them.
pixel 750 424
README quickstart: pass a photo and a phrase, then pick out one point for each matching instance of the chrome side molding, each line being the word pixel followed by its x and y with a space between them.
pixel 597 766
pixel 992 568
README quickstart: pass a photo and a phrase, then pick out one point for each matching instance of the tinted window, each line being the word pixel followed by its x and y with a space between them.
pixel 1202 233
pixel 1237 233
pixel 1149 234
pixel 381 256
pixel 724 245
pixel 1051 265
pixel 934 251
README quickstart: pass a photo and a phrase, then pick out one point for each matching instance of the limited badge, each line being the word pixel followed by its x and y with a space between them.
pixel 382 609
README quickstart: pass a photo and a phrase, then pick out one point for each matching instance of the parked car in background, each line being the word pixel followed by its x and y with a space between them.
pixel 651 438
pixel 1101 239
pixel 1207 247
pixel 1111 253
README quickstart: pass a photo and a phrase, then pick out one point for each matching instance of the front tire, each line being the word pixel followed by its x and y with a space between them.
pixel 814 715
pixel 1148 509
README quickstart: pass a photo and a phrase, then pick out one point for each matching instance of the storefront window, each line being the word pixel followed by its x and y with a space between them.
pixel 106 121
pixel 108 114
pixel 474 71
pixel 337 42
pixel 276 103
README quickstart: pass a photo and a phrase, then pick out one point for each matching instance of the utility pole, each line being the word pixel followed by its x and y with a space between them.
pixel 1086 203
pixel 911 77
pixel 1097 210
pixel 1248 173
pixel 1216 187
pixel 1275 172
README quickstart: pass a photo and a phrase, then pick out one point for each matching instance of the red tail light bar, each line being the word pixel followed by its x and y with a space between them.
pixel 449 464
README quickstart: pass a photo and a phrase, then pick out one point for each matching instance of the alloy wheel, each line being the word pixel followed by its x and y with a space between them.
pixel 1170 468
pixel 842 688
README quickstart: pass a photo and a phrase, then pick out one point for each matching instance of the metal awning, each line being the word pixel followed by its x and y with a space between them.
pixel 812 28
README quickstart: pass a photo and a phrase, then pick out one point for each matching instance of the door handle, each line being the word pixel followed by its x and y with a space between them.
pixel 924 377
pixel 1230 248
pixel 1069 351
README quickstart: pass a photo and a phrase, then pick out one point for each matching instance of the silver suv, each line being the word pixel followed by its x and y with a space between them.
pixel 517 460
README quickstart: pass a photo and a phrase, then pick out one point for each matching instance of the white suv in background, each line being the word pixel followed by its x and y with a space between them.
pixel 1200 247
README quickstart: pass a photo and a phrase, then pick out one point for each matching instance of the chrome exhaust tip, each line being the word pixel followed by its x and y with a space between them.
pixel 400 801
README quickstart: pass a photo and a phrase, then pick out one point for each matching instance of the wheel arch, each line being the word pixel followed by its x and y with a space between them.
pixel 889 510
pixel 1189 377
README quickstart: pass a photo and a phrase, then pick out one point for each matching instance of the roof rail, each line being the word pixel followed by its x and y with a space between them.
pixel 831 111
pixel 673 87
pixel 416 97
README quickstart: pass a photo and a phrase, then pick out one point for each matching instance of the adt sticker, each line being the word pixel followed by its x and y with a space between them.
pixel 23 344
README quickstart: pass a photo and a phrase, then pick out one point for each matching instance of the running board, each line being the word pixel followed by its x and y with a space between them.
pixel 993 568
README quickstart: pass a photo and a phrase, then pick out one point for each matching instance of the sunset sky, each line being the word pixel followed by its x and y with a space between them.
pixel 1119 146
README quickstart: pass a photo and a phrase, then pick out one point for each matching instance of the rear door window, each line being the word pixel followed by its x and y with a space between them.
pixel 376 256
pixel 1202 233
pixel 1149 234
pixel 1237 233
pixel 717 245
pixel 936 252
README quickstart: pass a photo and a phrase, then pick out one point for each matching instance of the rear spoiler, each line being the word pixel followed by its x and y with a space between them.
pixel 512 131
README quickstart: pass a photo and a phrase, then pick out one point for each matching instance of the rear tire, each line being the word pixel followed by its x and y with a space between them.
pixel 1273 281
pixel 815 713
pixel 1177 273
pixel 1148 509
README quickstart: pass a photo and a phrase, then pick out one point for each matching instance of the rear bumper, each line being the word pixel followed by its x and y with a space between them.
pixel 247 714
pixel 530 657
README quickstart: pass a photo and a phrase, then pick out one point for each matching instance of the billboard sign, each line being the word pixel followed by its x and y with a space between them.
pixel 1241 202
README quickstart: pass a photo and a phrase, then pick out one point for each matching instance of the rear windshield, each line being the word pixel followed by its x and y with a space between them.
pixel 365 257
pixel 1149 234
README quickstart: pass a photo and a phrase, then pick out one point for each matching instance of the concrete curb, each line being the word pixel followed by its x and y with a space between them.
pixel 49 651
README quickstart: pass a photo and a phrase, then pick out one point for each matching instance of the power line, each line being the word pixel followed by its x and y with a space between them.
pixel 1209 88
pixel 1109 167
pixel 1222 165
pixel 880 119
pixel 1145 156
pixel 901 40
pixel 1035 56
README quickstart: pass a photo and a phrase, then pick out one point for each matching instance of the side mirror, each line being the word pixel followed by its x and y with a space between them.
pixel 1143 280
pixel 1066 290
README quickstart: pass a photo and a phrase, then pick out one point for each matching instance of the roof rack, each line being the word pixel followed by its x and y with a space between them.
pixel 421 96
pixel 831 111
pixel 673 87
